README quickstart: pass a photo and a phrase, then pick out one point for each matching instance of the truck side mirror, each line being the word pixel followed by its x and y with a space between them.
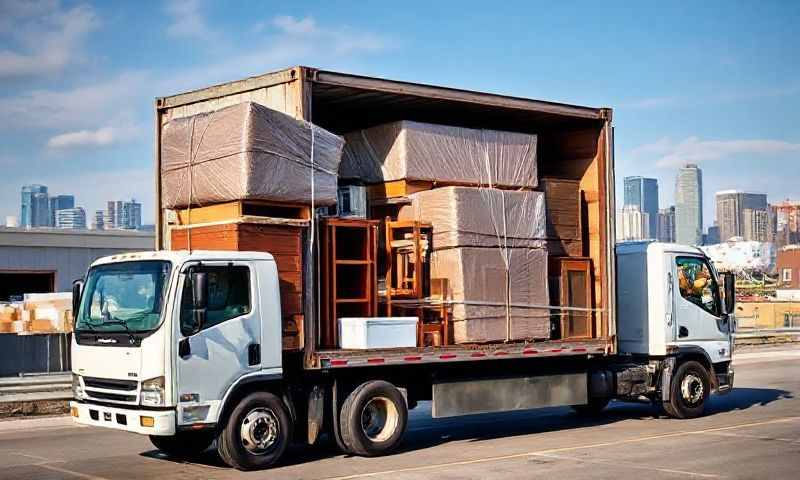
pixel 729 284
pixel 77 290
pixel 199 299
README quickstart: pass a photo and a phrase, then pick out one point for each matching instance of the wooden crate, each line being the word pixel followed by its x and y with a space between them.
pixel 563 207
pixel 284 242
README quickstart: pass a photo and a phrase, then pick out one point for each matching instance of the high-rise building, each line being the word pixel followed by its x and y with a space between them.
pixel 74 218
pixel 643 192
pixel 34 207
pixel 60 202
pixel 785 223
pixel 712 237
pixel 123 215
pixel 755 224
pixel 666 225
pixel 98 222
pixel 732 206
pixel 689 205
pixel 632 224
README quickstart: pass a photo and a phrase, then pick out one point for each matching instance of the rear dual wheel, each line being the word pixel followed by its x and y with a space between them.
pixel 373 419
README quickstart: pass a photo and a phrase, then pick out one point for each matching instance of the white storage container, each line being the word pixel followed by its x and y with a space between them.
pixel 360 333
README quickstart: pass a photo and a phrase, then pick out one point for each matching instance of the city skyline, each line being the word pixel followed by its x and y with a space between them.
pixel 697 93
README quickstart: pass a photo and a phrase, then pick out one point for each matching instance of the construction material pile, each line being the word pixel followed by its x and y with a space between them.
pixel 38 313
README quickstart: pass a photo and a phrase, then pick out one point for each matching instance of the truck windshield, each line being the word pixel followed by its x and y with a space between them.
pixel 124 297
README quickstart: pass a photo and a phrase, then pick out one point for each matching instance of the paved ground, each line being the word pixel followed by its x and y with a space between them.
pixel 754 432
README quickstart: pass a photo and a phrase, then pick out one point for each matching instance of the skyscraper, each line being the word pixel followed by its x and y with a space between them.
pixel 123 215
pixel 34 207
pixel 732 208
pixel 632 224
pixel 712 238
pixel 60 202
pixel 71 218
pixel 98 223
pixel 666 225
pixel 643 192
pixel 689 205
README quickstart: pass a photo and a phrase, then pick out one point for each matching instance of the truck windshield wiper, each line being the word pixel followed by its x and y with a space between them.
pixel 116 321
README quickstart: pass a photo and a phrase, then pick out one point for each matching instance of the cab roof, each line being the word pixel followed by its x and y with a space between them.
pixel 182 256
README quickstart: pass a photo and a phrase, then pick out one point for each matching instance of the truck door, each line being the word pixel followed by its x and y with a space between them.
pixel 227 344
pixel 698 312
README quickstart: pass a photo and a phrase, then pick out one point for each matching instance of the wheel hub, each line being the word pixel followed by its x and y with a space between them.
pixel 260 430
pixel 379 419
pixel 692 389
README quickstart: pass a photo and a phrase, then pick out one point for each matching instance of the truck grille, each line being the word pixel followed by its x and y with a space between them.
pixel 110 384
pixel 114 397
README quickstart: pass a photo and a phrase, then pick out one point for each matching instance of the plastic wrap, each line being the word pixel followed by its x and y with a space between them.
pixel 480 217
pixel 500 276
pixel 422 151
pixel 247 151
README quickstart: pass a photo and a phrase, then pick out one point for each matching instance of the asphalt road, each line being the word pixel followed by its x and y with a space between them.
pixel 754 432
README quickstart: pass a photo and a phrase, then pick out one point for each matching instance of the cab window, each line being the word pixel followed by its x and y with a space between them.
pixel 697 284
pixel 228 296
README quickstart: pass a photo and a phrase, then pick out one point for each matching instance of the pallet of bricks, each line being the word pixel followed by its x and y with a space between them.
pixel 38 313
pixel 240 178
pixel 476 188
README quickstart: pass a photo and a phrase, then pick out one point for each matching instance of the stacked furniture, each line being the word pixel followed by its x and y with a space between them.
pixel 244 178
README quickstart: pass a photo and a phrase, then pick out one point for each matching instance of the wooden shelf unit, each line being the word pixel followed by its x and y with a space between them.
pixel 348 273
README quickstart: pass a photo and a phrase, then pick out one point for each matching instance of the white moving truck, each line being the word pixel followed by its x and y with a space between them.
pixel 186 348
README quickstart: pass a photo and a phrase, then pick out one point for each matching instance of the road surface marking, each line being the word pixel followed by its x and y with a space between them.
pixel 564 449
pixel 756 437
pixel 637 466
pixel 50 466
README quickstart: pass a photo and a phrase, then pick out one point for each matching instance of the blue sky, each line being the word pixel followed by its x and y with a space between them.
pixel 715 83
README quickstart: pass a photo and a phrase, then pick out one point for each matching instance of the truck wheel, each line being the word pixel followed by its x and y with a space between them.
pixel 595 407
pixel 373 419
pixel 183 444
pixel 689 391
pixel 256 433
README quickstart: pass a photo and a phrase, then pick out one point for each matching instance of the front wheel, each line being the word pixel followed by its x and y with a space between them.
pixel 689 391
pixel 256 433
pixel 183 444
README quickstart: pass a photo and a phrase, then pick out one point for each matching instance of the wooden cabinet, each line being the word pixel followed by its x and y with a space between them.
pixel 575 288
pixel 348 273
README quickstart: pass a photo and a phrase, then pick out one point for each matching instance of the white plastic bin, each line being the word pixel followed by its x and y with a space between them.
pixel 359 333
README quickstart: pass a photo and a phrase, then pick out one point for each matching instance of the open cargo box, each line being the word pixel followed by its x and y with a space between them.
pixel 574 143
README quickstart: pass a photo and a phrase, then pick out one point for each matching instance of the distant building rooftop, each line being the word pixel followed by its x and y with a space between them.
pixel 55 237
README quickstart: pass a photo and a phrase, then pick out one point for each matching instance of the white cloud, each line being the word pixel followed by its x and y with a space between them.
pixel 100 137
pixel 46 38
pixel 188 20
pixel 81 107
pixel 307 35
pixel 669 153
pixel 293 25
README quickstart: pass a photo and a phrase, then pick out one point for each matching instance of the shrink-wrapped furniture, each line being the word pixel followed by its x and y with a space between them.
pixel 407 150
pixel 247 152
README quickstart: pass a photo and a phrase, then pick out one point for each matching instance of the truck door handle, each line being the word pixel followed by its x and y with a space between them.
pixel 184 348
pixel 253 354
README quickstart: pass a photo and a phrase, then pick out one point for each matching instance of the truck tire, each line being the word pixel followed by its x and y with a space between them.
pixel 183 444
pixel 689 390
pixel 373 419
pixel 256 433
pixel 595 407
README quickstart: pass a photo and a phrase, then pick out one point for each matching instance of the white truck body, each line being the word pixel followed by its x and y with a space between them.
pixel 166 380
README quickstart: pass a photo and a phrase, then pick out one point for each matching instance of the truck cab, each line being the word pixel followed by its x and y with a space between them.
pixel 162 337
pixel 673 304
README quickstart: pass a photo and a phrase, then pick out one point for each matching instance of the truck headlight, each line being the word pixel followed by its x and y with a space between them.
pixel 77 388
pixel 153 392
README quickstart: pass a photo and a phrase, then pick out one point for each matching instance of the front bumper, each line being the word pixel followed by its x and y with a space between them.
pixel 129 420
